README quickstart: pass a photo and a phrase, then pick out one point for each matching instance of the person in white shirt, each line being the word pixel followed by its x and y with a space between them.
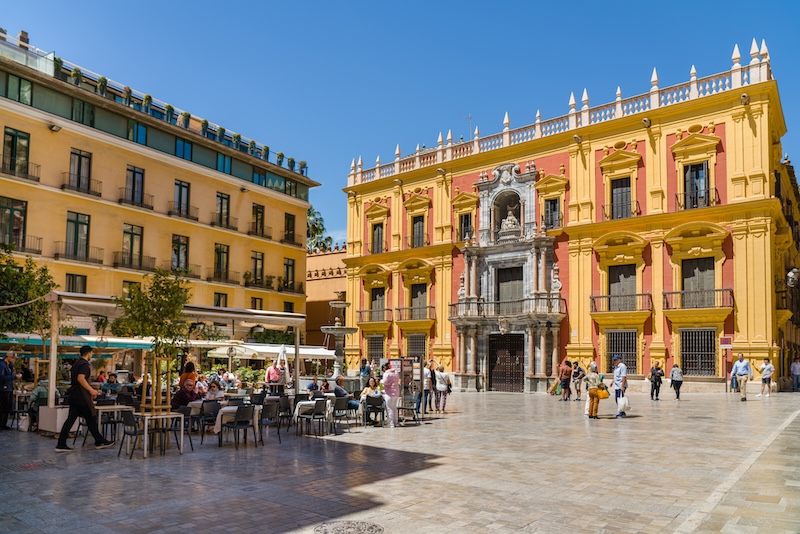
pixel 795 370
pixel 767 370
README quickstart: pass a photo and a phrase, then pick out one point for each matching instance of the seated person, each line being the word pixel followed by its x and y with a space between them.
pixel 27 374
pixel 111 385
pixel 201 386
pixel 215 391
pixel 340 392
pixel 312 386
pixel 39 392
pixel 372 388
pixel 185 395
pixel 101 377
pixel 325 386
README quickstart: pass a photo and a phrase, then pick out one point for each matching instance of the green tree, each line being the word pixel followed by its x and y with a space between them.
pixel 315 231
pixel 275 337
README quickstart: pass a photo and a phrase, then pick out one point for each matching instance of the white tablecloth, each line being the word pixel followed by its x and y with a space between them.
pixel 228 413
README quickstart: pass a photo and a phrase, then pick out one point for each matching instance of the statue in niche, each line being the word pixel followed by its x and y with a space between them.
pixel 555 284
pixel 510 222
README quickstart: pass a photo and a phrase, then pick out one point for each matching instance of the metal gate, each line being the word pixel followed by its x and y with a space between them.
pixel 506 363
pixel 622 342
pixel 699 351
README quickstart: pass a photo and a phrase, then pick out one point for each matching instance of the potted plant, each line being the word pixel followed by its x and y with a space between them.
pixel 280 283
pixel 204 127
pixel 279 159
pixel 58 63
pixel 300 287
pixel 168 111
pixel 248 278
pixel 268 279
pixel 127 95
pixel 146 102
pixel 221 134
pixel 265 153
pixel 251 149
pixel 237 139
pixel 290 164
pixel 303 167
pixel 102 85
pixel 185 118
pixel 77 76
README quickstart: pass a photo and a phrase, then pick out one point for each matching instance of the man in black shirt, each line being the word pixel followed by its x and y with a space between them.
pixel 81 403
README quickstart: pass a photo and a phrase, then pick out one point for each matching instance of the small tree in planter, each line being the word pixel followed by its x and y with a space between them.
pixel 77 76
pixel 58 63
pixel 279 159
pixel 280 283
pixel 186 117
pixel 146 102
pixel 204 127
pixel 303 167
pixel 290 164
pixel 220 134
pixel 251 149
pixel 102 85
pixel 168 111
pixel 248 278
pixel 237 139
pixel 269 281
pixel 127 95
pixel 265 153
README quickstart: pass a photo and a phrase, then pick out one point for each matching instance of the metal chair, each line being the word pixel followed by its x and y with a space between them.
pixel 207 416
pixel 339 412
pixel 285 411
pixel 269 418
pixel 236 402
pixel 242 421
pixel 319 414
pixel 375 404
pixel 130 427
pixel 175 428
pixel 257 398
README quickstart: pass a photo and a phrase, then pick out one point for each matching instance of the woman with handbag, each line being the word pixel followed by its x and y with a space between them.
pixel 593 385
pixel 442 389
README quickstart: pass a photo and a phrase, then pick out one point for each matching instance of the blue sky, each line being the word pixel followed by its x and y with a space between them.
pixel 327 82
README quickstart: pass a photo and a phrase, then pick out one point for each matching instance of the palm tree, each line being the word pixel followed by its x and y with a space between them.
pixel 315 231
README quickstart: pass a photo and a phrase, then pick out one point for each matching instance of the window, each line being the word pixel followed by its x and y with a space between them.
pixel 132 245
pixel 183 149
pixel 699 351
pixel 221 300
pixel 80 170
pixel 180 253
pixel 256 303
pixel 417 346
pixel 127 286
pixel 291 188
pixel 19 89
pixel 620 199
pixel 259 176
pixel 76 283
pixel 377 303
pixel 622 287
pixel 257 266
pixel 77 235
pixel 181 195
pixel 419 301
pixel 223 209
pixel 12 222
pixel 137 132
pixel 696 186
pixel 221 257
pixel 223 163
pixel 622 342
pixel 82 112
pixel 465 226
pixel 552 213
pixel 509 290
pixel 698 283
pixel 377 238
pixel 288 225
pixel 257 224
pixel 288 307
pixel 418 231
pixel 134 185
pixel 288 273
pixel 16 146
pixel 375 346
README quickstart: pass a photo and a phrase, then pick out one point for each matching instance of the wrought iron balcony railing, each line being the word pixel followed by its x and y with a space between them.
pixel 534 305
pixel 187 271
pixel 222 220
pixel 228 277
pixel 20 167
pixel 378 315
pixel 619 210
pixel 290 238
pixel 708 298
pixel 135 198
pixel 81 184
pixel 377 247
pixel 179 209
pixel 23 243
pixel 616 303
pixel 66 250
pixel 416 313
pixel 417 241
pixel 697 199
pixel 259 230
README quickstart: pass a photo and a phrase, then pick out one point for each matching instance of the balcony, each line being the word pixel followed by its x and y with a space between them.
pixel 708 298
pixel 20 167
pixel 417 313
pixel 260 282
pixel 377 247
pixel 126 260
pixel 417 241
pixel 226 277
pixel 66 250
pixel 622 303
pixel 23 243
pixel 618 210
pixel 186 271
pixel 552 221
pixel 697 199
pixel 222 220
pixel 259 230
pixel 540 305
pixel 80 184
pixel 378 315
pixel 292 287
pixel 464 232
pixel 291 238
pixel 177 209
pixel 136 198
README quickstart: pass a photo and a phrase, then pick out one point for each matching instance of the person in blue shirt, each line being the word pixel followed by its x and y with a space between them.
pixel 111 385
pixel 742 371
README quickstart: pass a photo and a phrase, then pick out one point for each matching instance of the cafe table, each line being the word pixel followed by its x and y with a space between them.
pixel 155 418
pixel 116 408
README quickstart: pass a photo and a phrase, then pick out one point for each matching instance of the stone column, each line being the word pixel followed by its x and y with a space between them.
pixel 473 347
pixel 542 262
pixel 535 273
pixel 467 275
pixel 474 278
pixel 540 351
pixel 554 331
pixel 531 352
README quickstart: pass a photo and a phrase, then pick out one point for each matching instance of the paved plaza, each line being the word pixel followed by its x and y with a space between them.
pixel 496 463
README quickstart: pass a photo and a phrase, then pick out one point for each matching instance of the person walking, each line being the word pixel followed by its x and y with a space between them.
pixel 577 379
pixel 81 403
pixel 742 371
pixel 767 370
pixel 391 387
pixel 795 370
pixel 564 375
pixel 442 389
pixel 656 372
pixel 7 377
pixel 593 390
pixel 620 382
pixel 676 381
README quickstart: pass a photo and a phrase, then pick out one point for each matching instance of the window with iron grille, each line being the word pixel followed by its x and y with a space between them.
pixel 417 346
pixel 464 226
pixel 622 342
pixel 375 347
pixel 699 351
pixel 620 198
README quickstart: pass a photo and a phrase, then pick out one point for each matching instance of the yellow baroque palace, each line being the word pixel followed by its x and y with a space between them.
pixel 660 227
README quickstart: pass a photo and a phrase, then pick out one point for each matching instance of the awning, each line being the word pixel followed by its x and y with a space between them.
pixel 265 351
pixel 79 341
